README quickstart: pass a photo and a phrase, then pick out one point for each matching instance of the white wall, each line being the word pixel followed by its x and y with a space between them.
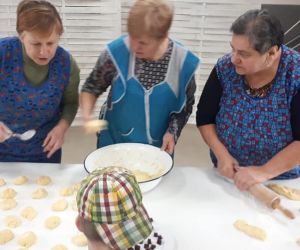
pixel 201 25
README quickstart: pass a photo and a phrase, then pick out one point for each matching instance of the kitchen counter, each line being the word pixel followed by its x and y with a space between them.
pixel 193 204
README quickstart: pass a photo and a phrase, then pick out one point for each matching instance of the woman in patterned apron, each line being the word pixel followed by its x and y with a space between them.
pixel 151 78
pixel 39 84
pixel 248 113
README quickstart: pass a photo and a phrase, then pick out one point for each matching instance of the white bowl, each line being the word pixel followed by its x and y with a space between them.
pixel 134 156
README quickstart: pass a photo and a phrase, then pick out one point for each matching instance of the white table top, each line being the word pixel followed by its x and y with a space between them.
pixel 195 205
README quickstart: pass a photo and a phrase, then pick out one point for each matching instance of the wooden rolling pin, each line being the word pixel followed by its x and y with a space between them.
pixel 270 199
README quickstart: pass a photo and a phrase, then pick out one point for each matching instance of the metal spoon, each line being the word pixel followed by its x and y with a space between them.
pixel 25 136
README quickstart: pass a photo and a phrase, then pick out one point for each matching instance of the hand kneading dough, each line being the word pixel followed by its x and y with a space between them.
pixel 6 235
pixel 9 193
pixel 250 230
pixel 291 193
pixel 2 182
pixel 79 240
pixel 7 204
pixel 12 221
pixel 52 222
pixel 60 205
pixel 43 180
pixel 27 239
pixel 40 193
pixel 59 247
pixel 20 180
pixel 67 191
pixel 28 213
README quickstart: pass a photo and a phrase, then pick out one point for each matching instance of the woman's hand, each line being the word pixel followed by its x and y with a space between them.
pixel 245 177
pixel 226 165
pixel 168 143
pixel 55 138
pixel 5 132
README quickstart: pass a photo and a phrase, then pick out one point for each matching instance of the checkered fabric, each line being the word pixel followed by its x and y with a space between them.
pixel 112 200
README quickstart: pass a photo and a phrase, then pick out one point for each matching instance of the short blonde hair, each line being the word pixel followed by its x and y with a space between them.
pixel 150 17
pixel 38 15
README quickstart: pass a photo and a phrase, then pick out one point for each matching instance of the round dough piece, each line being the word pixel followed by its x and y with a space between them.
pixel 9 193
pixel 67 191
pixel 43 180
pixel 21 180
pixel 40 193
pixel 12 221
pixel 95 126
pixel 60 205
pixel 52 222
pixel 79 240
pixel 29 213
pixel 6 235
pixel 2 182
pixel 7 204
pixel 59 247
pixel 27 239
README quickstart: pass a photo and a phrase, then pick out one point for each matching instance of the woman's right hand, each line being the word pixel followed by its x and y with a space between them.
pixel 226 166
pixel 5 132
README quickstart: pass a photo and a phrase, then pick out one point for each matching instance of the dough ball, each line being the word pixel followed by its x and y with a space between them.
pixel 21 180
pixel 9 193
pixel 29 213
pixel 6 235
pixel 95 126
pixel 52 222
pixel 60 205
pixel 59 247
pixel 40 193
pixel 27 239
pixel 12 221
pixel 2 182
pixel 43 180
pixel 7 204
pixel 250 230
pixel 67 191
pixel 79 240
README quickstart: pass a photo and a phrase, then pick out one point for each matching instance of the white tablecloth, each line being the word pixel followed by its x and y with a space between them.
pixel 193 204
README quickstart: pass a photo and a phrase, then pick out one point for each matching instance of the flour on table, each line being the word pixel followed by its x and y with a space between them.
pixel 250 230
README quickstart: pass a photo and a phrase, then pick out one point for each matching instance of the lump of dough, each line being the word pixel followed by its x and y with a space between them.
pixel 9 193
pixel 40 193
pixel 12 221
pixel 27 239
pixel 43 180
pixel 59 247
pixel 7 204
pixel 67 191
pixel 290 193
pixel 60 205
pixel 250 230
pixel 21 180
pixel 95 126
pixel 28 213
pixel 52 222
pixel 6 235
pixel 79 240
pixel 2 182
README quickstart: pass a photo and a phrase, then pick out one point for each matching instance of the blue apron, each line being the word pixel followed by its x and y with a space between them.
pixel 137 114
pixel 24 107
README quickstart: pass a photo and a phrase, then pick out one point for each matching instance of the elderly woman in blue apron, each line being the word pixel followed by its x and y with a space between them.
pixel 248 113
pixel 151 77
pixel 39 86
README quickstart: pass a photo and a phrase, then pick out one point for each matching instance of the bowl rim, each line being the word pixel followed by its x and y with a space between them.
pixel 133 143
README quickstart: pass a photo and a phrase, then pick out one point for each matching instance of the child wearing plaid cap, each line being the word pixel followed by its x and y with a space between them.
pixel 111 213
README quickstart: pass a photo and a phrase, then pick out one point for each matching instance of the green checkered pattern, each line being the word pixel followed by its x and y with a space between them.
pixel 112 200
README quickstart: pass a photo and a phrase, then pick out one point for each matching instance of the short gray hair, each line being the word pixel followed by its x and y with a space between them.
pixel 262 29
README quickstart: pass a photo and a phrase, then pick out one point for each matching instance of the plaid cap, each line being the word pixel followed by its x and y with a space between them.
pixel 112 200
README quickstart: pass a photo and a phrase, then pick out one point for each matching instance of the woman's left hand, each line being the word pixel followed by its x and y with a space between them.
pixel 245 177
pixel 168 143
pixel 55 138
